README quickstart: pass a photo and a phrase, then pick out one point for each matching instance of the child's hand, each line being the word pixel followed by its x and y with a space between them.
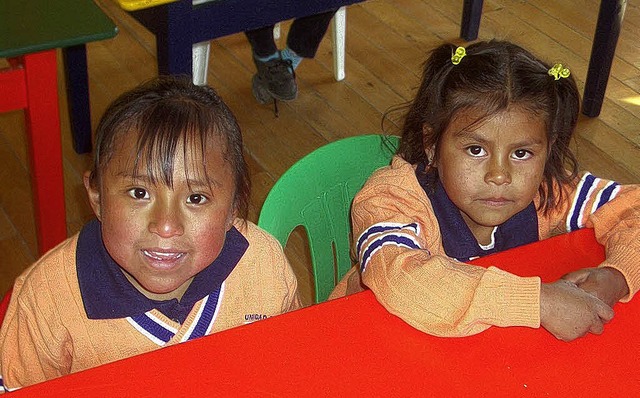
pixel 569 312
pixel 606 283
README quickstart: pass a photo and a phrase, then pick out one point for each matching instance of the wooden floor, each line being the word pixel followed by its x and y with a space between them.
pixel 387 41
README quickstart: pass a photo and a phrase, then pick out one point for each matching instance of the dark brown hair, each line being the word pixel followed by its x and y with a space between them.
pixel 165 112
pixel 493 76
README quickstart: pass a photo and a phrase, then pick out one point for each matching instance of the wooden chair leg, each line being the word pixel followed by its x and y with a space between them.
pixel 200 60
pixel 339 39
pixel 277 31
pixel 200 57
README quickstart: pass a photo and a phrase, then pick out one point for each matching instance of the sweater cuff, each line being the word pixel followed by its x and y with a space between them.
pixel 624 259
pixel 517 299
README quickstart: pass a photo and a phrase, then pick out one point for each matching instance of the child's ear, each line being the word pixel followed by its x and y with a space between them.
pixel 93 193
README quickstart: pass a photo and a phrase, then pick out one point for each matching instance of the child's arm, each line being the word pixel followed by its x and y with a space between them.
pixel 26 339
pixel 398 244
pixel 613 211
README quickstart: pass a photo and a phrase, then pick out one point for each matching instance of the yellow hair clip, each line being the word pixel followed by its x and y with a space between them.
pixel 458 55
pixel 558 71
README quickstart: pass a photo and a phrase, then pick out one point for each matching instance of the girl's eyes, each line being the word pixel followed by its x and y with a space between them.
pixel 475 150
pixel 141 193
pixel 518 154
pixel 138 193
pixel 197 199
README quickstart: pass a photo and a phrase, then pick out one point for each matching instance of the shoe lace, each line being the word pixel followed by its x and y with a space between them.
pixel 279 68
pixel 278 71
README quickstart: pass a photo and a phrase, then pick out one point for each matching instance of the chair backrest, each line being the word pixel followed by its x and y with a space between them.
pixel 316 193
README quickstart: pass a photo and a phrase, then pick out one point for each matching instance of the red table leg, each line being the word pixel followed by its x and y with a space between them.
pixel 43 130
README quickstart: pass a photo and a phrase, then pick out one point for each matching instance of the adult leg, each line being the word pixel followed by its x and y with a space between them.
pixel 262 42
pixel 275 78
pixel 306 33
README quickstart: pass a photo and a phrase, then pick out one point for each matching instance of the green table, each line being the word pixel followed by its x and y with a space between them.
pixel 38 25
pixel 30 33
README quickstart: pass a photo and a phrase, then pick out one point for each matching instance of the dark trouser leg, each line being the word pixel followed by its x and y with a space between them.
pixel 306 33
pixel 261 41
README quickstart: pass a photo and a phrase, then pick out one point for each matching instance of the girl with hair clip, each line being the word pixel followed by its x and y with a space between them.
pixel 484 165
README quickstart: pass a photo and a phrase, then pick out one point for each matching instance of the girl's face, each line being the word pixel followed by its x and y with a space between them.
pixel 492 170
pixel 161 236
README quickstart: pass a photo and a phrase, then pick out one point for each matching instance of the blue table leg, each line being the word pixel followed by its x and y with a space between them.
pixel 604 48
pixel 174 44
pixel 75 62
pixel 471 14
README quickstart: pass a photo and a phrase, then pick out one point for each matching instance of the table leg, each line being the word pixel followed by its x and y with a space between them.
pixel 174 43
pixel 604 48
pixel 43 131
pixel 75 66
pixel 470 24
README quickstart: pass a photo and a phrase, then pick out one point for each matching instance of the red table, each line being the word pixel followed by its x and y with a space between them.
pixel 352 347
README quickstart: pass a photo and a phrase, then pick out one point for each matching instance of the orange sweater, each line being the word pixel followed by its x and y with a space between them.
pixel 46 332
pixel 417 281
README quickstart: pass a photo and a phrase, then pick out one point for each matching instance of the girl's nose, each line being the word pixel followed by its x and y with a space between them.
pixel 166 221
pixel 498 172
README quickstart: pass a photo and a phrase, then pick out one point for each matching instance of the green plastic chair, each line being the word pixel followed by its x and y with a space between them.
pixel 316 193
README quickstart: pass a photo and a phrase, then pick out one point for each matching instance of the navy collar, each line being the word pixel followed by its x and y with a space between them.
pixel 457 239
pixel 107 294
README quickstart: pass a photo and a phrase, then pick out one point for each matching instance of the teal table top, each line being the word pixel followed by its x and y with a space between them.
pixel 28 26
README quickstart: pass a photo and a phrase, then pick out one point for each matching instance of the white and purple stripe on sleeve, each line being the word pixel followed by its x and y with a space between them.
pixel 586 191
pixel 383 234
pixel 605 195
pixel 382 227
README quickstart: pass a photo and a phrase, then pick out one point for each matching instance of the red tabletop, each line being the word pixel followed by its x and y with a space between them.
pixel 353 347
